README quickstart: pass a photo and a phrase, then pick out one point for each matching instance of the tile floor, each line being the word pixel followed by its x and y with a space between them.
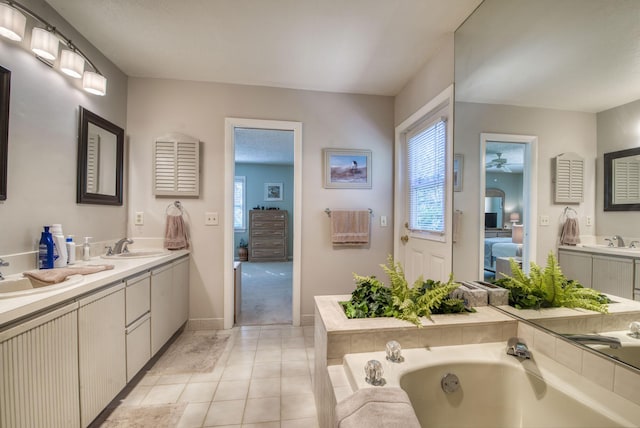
pixel 263 379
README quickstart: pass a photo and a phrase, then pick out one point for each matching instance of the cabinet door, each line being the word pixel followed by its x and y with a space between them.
pixel 39 372
pixel 576 266
pixel 613 275
pixel 181 292
pixel 101 350
pixel 162 306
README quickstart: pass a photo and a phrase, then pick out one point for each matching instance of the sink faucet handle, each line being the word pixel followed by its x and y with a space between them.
pixel 634 244
pixel 3 263
pixel 609 242
pixel 109 250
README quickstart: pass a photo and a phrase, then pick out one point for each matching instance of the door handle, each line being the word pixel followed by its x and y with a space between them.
pixel 404 239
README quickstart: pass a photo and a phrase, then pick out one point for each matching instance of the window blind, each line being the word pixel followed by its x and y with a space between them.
pixel 426 170
pixel 238 203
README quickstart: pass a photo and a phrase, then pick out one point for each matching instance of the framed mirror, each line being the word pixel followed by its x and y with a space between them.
pixel 5 85
pixel 493 208
pixel 622 180
pixel 100 160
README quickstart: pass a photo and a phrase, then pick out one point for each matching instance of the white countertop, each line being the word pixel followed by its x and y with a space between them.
pixel 17 307
pixel 603 249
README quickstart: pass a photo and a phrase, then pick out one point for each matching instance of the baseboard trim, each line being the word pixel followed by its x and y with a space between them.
pixel 307 319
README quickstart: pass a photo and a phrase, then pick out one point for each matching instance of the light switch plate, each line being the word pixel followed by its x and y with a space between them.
pixel 383 221
pixel 210 219
pixel 139 220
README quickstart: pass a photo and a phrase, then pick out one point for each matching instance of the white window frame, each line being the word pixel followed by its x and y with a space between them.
pixel 243 203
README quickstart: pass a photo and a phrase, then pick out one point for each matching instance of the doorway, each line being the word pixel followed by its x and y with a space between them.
pixel 508 208
pixel 270 193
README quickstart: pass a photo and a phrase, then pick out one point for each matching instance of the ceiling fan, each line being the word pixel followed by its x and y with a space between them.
pixel 499 163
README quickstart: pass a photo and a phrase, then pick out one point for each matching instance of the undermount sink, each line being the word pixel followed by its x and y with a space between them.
pixel 606 247
pixel 23 286
pixel 137 254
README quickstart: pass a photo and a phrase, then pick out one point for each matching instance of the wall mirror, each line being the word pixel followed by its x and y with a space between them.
pixel 553 55
pixel 622 180
pixel 5 85
pixel 100 160
pixel 493 209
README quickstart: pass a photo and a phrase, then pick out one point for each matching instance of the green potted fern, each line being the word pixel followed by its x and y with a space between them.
pixel 549 288
pixel 372 298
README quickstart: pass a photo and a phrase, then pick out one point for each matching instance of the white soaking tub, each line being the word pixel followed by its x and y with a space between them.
pixel 496 390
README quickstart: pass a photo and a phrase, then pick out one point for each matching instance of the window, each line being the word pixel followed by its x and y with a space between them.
pixel 239 197
pixel 426 170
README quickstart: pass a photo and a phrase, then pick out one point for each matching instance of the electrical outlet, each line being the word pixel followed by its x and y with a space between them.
pixel 383 221
pixel 544 220
pixel 139 220
pixel 589 221
pixel 211 219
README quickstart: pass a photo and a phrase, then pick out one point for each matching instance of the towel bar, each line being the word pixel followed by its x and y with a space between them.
pixel 328 212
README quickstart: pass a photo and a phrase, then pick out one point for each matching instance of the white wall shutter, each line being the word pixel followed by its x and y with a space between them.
pixel 626 180
pixel 93 162
pixel 176 166
pixel 569 178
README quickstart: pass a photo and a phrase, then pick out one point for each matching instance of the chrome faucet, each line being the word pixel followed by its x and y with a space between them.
pixel 609 242
pixel 121 246
pixel 3 263
pixel 517 348
pixel 634 244
pixel 595 339
pixel 619 239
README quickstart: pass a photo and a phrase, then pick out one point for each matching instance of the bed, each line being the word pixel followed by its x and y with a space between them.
pixel 499 247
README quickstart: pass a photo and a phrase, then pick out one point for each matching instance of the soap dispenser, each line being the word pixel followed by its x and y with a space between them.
pixel 71 250
pixel 86 249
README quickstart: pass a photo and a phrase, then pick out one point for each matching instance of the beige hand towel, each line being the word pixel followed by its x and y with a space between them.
pixel 376 407
pixel 176 236
pixel 570 234
pixel 350 227
pixel 44 277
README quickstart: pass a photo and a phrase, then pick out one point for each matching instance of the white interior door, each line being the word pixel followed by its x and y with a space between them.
pixel 424 253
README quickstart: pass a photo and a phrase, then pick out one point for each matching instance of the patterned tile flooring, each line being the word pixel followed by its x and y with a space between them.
pixel 262 379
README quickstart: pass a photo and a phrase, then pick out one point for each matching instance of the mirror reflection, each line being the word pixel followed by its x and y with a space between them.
pixel 5 84
pixel 565 71
pixel 100 160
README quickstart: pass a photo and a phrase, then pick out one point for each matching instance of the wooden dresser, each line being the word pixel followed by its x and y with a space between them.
pixel 268 235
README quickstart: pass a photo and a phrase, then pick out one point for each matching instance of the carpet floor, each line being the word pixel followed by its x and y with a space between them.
pixel 266 293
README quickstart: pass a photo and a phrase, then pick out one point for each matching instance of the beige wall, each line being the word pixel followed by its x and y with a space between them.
pixel 558 132
pixel 617 130
pixel 156 107
pixel 43 129
pixel 433 78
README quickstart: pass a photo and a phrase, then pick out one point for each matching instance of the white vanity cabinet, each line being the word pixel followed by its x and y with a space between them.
pixel 576 266
pixel 138 322
pixel 169 301
pixel 39 371
pixel 101 350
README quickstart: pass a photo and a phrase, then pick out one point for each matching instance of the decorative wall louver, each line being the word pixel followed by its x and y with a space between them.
pixel 569 178
pixel 176 166
pixel 626 180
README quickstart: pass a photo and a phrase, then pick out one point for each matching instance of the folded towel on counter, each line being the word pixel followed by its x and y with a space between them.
pixel 54 276
pixel 176 236
pixel 570 234
pixel 376 407
pixel 350 227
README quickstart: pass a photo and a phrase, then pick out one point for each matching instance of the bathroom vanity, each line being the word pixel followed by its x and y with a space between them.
pixel 611 270
pixel 68 352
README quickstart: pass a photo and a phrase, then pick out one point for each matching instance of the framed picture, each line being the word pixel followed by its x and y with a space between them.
pixel 458 169
pixel 273 192
pixel 347 169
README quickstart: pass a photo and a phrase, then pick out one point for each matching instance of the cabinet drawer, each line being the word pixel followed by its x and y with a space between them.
pixel 268 252
pixel 137 297
pixel 266 242
pixel 138 346
pixel 268 215
pixel 266 224
pixel 268 233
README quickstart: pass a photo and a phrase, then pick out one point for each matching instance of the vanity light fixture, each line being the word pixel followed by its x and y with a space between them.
pixel 45 40
pixel 12 23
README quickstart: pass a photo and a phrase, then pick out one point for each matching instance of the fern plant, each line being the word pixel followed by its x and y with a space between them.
pixel 423 299
pixel 549 288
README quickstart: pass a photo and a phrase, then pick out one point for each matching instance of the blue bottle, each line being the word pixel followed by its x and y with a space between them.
pixel 45 250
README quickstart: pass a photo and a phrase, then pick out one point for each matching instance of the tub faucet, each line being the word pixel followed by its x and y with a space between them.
pixel 517 348
pixel 595 339
pixel 3 263
pixel 121 246
pixel 619 239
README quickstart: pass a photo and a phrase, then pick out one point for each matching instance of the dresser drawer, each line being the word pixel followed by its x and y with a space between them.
pixel 267 224
pixel 268 253
pixel 278 233
pixel 269 215
pixel 266 242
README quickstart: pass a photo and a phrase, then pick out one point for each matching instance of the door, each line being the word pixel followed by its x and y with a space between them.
pixel 423 191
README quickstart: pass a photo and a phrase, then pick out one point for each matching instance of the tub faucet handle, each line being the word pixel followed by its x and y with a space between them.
pixel 517 348
pixel 3 263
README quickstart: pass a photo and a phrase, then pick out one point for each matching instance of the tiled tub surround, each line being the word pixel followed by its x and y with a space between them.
pixel 497 390
pixel 335 336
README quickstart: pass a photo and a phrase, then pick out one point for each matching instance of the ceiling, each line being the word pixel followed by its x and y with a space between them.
pixel 263 146
pixel 512 153
pixel 349 46
pixel 578 55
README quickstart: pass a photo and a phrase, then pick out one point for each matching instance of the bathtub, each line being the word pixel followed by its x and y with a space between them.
pixel 496 390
